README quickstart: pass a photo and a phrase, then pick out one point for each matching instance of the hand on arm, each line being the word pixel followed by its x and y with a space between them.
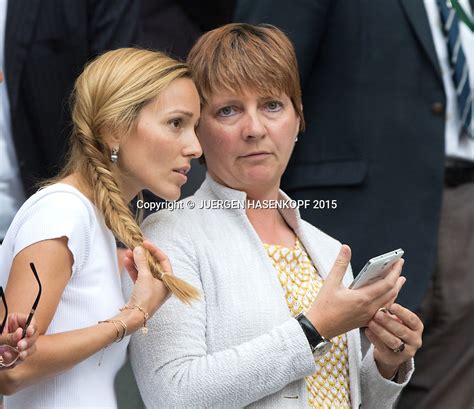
pixel 388 331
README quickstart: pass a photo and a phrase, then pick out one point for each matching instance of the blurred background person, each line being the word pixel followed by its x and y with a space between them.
pixel 173 26
pixel 44 45
pixel 387 92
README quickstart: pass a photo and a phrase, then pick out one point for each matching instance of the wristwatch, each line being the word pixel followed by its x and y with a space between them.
pixel 319 345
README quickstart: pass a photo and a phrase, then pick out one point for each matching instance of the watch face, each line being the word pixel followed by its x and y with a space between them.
pixel 322 348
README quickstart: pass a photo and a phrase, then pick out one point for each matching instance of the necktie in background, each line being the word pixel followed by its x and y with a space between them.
pixel 457 60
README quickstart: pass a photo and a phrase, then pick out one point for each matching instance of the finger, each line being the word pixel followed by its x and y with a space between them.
pixel 389 297
pixel 339 267
pixel 130 267
pixel 389 340
pixel 10 340
pixel 398 286
pixel 393 317
pixel 410 319
pixel 140 259
pixel 14 337
pixel 31 330
pixel 31 350
pixel 395 326
pixel 23 345
pixel 23 355
pixel 18 320
pixel 383 286
pixel 159 255
pixel 12 323
pixel 375 340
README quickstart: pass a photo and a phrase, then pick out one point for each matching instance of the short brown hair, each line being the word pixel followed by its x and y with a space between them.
pixel 237 56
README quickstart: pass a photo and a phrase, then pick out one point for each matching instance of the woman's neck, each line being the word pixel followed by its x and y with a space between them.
pixel 77 181
pixel 265 217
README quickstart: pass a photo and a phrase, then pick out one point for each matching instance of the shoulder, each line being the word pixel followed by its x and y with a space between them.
pixel 59 200
pixel 172 221
pixel 53 212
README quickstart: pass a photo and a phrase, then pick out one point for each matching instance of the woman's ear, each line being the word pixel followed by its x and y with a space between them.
pixel 111 137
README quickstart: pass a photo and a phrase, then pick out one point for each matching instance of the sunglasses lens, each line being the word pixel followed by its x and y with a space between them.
pixel 8 356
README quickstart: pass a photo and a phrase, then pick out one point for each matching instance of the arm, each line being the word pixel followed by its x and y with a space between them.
pixel 113 27
pixel 304 21
pixel 59 352
pixel 173 366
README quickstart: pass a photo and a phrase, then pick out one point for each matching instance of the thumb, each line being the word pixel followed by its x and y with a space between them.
pixel 340 266
pixel 140 259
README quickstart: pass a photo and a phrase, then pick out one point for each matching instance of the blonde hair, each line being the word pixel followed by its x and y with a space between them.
pixel 107 98
pixel 238 55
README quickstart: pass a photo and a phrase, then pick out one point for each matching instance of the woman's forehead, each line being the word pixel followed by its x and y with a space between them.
pixel 244 92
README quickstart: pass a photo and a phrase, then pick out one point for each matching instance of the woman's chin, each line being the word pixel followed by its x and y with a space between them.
pixel 170 195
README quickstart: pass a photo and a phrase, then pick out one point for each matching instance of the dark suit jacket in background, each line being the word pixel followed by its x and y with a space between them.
pixel 173 26
pixel 47 43
pixel 374 105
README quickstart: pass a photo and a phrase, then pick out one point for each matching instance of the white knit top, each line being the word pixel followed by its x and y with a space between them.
pixel 93 293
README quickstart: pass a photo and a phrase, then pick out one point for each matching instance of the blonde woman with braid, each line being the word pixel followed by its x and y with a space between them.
pixel 134 116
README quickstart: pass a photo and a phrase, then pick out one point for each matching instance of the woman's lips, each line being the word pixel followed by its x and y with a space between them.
pixel 255 155
pixel 182 172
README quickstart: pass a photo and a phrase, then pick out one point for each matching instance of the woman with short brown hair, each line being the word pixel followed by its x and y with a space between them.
pixel 277 326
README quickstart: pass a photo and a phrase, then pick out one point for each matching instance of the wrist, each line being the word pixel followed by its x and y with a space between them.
pixel 132 318
pixel 318 323
pixel 318 344
pixel 144 313
pixel 387 371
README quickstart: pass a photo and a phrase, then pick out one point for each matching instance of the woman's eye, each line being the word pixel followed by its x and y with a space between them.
pixel 176 123
pixel 226 111
pixel 274 106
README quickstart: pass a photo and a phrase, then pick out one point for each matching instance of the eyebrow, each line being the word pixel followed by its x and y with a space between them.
pixel 180 111
pixel 235 101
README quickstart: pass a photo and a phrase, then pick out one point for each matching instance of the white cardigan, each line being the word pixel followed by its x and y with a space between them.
pixel 238 346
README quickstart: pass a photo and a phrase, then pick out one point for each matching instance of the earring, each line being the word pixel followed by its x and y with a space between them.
pixel 114 154
pixel 296 139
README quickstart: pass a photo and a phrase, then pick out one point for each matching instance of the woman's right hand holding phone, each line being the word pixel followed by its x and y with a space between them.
pixel 338 309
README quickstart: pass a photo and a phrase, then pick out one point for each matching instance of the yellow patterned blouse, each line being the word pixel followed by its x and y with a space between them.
pixel 328 387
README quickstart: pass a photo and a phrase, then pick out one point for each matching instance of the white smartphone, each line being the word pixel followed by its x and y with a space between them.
pixel 376 268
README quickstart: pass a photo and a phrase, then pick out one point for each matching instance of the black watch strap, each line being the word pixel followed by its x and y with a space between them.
pixel 312 334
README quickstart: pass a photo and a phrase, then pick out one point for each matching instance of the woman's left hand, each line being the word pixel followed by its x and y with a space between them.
pixel 396 335
pixel 13 336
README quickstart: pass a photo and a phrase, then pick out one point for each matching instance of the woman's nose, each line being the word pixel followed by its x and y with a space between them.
pixel 193 148
pixel 254 127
